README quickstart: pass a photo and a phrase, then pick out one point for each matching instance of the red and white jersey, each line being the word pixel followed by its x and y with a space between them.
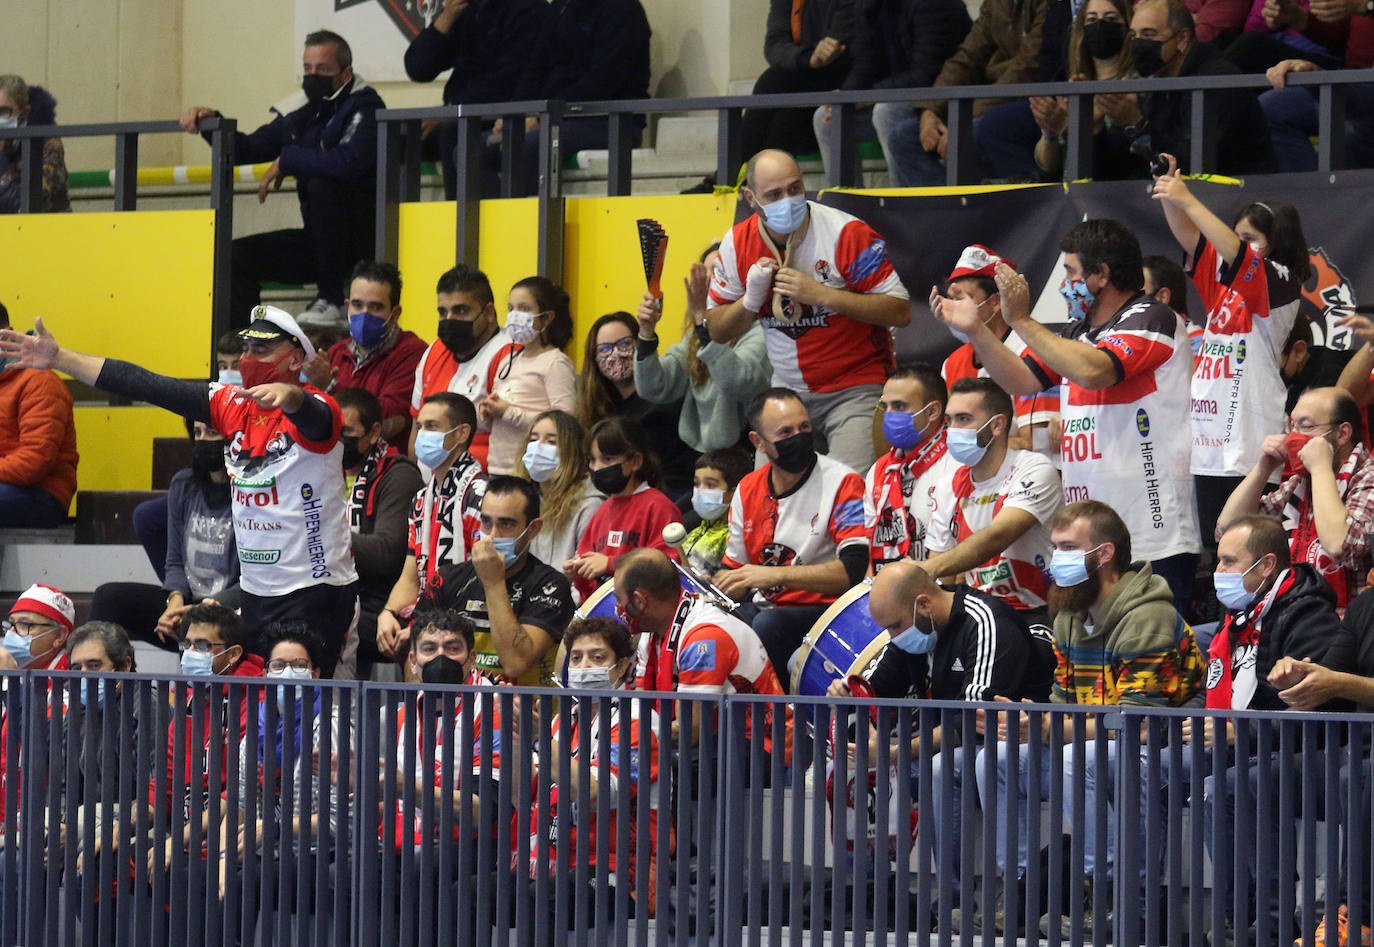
pixel 290 505
pixel 1019 575
pixel 445 522
pixel 1128 444
pixel 818 349
pixel 1038 411
pixel 806 526
pixel 1238 391
pixel 897 492
pixel 474 379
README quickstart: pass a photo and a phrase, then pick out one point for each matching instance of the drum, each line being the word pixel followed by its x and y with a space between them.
pixel 840 645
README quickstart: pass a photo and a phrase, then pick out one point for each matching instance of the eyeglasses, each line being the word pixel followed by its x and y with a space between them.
pixel 1305 426
pixel 277 665
pixel 27 629
pixel 625 346
pixel 202 645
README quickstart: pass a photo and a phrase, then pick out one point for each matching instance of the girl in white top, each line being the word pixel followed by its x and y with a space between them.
pixel 541 377
pixel 556 459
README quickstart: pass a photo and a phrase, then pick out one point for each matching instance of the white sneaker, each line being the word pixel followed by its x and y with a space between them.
pixel 322 313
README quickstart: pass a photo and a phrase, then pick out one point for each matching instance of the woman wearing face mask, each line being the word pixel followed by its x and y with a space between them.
pixel 635 512
pixel 1249 276
pixel 289 745
pixel 606 389
pixel 539 378
pixel 202 561
pixel 717 474
pixel 555 459
pixel 23 104
pixel 713 380
pixel 1098 49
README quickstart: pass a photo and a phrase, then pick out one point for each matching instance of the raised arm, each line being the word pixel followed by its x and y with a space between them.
pixel 1188 217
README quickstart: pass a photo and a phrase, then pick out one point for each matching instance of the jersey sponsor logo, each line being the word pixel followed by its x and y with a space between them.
pixel 258 526
pixel 1152 495
pixel 1240 351
pixel 475 605
pixel 849 513
pixel 984 577
pixel 1079 440
pixel 699 656
pixel 1142 422
pixel 314 541
pixel 260 557
pixel 260 491
pixel 869 261
pixel 1204 406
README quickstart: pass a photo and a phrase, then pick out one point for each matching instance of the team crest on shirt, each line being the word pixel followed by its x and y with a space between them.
pixel 822 270
pixel 277 448
pixel 797 319
pixel 775 554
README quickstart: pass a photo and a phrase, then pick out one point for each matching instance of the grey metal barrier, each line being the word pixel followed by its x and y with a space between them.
pixel 140 810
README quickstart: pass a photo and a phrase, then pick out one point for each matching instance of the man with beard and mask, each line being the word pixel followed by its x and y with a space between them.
pixel 518 605
pixel 948 644
pixel 1166 45
pixel 325 136
pixel 382 483
pixel 899 485
pixel 378 355
pixel 201 562
pixel 822 286
pixel 1124 408
pixel 470 351
pixel 1118 640
pixel 797 538
pixel 284 461
pixel 445 512
pixel 1327 500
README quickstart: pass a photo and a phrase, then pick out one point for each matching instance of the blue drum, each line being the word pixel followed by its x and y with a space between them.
pixel 841 644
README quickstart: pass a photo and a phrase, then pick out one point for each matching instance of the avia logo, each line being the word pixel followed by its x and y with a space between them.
pixel 1142 422
pixel 1240 351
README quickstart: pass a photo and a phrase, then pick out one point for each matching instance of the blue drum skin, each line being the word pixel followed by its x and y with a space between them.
pixel 841 643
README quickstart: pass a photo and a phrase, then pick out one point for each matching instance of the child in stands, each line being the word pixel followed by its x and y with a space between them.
pixel 717 474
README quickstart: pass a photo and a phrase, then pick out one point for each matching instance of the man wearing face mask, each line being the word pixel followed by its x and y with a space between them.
pixel 990 525
pixel 797 538
pixel 378 355
pixel 518 605
pixel 1124 404
pixel 1037 416
pixel 283 457
pixel 382 483
pixel 898 487
pixel 825 292
pixel 445 513
pixel 1327 501
pixel 469 351
pixel 37 630
pixel 1165 44
pixel 325 136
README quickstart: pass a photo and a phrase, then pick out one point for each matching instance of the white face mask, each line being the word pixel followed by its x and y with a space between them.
pixel 520 326
pixel 9 121
pixel 591 678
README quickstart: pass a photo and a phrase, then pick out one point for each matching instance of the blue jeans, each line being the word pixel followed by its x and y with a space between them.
pixel 1292 116
pixel 1004 137
pixel 29 508
pixel 876 122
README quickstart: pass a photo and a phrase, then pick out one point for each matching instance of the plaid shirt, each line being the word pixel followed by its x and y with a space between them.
pixel 1359 515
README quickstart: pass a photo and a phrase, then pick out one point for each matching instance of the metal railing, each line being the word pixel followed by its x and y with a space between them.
pixel 219 811
pixel 126 136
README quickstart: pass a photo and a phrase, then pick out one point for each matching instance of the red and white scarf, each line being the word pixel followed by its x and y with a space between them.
pixel 1301 524
pixel 887 485
pixel 1231 677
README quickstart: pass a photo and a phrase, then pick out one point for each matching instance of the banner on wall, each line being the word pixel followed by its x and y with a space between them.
pixel 925 234
pixel 378 31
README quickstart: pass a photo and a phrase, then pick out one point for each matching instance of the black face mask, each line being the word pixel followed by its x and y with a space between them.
pixel 1103 39
pixel 610 480
pixel 458 337
pixel 207 457
pixel 352 455
pixel 441 669
pixel 796 453
pixel 1147 56
pixel 317 88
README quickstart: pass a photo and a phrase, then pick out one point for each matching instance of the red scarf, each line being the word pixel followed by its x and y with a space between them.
pixel 660 662
pixel 1302 530
pixel 887 486
pixel 1231 677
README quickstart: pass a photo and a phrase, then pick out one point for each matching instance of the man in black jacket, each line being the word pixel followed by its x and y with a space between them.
pixel 328 143
pixel 486 43
pixel 588 51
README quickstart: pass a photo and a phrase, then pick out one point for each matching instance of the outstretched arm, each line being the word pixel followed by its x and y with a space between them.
pixel 1188 217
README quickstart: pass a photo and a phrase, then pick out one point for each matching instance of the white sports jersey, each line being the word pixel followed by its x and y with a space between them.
pixel 1238 391
pixel 474 379
pixel 893 535
pixel 962 506
pixel 290 506
pixel 1129 444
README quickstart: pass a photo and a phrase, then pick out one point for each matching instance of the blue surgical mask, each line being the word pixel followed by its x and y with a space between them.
pixel 899 427
pixel 1069 567
pixel 785 214
pixel 430 449
pixel 709 504
pixel 18 646
pixel 199 663
pixel 506 546
pixel 99 692
pixel 1231 590
pixel 963 444
pixel 914 640
pixel 231 376
pixel 285 692
pixel 541 460
pixel 367 330
pixel 1078 296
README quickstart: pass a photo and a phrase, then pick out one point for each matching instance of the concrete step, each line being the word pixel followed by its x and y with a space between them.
pixel 686 135
pixel 75 570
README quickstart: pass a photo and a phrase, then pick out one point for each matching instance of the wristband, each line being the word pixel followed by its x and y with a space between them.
pixel 703 333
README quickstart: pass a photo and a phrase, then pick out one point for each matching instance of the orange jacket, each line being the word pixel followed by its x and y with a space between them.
pixel 37 432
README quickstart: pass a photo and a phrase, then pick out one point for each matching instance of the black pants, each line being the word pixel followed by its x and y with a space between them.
pixel 1212 494
pixel 1257 52
pixel 339 224
pixel 788 129
pixel 328 609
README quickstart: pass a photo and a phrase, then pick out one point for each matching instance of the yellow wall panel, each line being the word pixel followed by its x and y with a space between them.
pixel 135 286
pixel 116 445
